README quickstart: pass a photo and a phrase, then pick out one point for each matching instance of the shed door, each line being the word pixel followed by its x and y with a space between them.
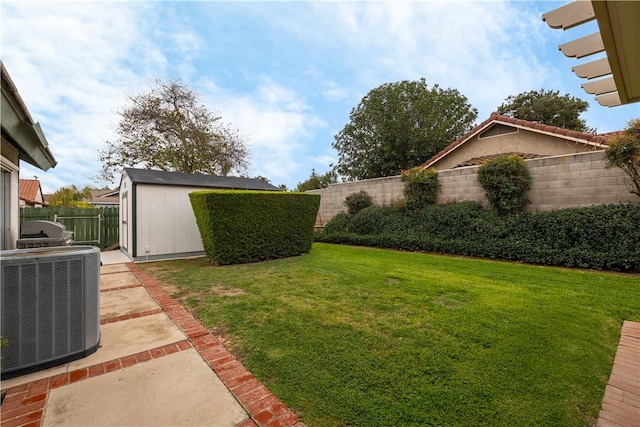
pixel 124 233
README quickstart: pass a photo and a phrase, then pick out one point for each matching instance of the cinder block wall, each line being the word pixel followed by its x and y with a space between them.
pixel 568 181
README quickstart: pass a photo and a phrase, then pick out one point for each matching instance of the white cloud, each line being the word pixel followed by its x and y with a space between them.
pixel 74 65
pixel 277 122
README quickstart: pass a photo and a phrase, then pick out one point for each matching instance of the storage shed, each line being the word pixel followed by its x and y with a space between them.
pixel 156 218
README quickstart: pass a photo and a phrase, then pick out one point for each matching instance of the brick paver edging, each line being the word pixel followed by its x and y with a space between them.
pixel 265 409
pixel 621 402
pixel 24 404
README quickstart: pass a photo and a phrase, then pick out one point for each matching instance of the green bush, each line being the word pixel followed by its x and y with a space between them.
pixel 355 202
pixel 624 152
pixel 420 187
pixel 337 224
pixel 247 226
pixel 599 237
pixel 506 181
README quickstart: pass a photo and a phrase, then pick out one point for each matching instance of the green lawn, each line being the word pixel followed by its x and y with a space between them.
pixel 368 337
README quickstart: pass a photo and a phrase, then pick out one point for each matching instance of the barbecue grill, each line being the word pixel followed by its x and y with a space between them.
pixel 42 234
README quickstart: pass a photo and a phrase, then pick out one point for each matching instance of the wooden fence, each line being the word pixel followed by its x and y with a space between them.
pixel 92 226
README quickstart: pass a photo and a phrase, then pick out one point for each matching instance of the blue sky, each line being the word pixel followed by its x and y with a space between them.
pixel 286 74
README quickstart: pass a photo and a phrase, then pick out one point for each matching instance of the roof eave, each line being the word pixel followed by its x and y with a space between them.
pixel 20 129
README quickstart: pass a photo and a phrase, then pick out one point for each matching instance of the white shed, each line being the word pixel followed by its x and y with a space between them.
pixel 156 218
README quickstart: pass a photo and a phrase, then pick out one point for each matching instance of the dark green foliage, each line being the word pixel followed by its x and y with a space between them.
pixel 246 226
pixel 624 152
pixel 599 237
pixel 506 181
pixel 398 126
pixel 355 202
pixel 420 187
pixel 316 181
pixel 548 107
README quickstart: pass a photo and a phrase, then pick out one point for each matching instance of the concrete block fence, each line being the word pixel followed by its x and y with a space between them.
pixel 559 182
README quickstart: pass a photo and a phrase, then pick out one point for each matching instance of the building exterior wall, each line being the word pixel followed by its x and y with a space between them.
pixel 9 194
pixel 165 222
pixel 559 182
pixel 523 141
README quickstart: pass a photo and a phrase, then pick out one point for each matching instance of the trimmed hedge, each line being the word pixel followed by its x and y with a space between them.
pixel 246 226
pixel 603 237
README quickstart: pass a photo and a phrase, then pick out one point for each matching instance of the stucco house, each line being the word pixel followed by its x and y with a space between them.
pixel 156 218
pixel 500 135
pixel 22 140
pixel 31 194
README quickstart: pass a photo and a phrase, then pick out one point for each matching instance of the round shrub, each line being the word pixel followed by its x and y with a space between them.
pixel 371 220
pixel 420 187
pixel 355 202
pixel 337 224
pixel 506 181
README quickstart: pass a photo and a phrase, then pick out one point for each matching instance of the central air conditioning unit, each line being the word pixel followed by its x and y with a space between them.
pixel 50 300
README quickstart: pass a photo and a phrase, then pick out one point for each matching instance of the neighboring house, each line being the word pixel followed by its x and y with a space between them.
pixel 31 194
pixel 22 139
pixel 156 218
pixel 499 135
pixel 99 198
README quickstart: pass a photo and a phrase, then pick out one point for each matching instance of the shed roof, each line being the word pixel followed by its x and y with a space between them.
pixel 148 176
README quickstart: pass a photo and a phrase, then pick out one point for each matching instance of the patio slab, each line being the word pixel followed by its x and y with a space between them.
pixel 117 280
pixel 179 389
pixel 125 302
pixel 118 340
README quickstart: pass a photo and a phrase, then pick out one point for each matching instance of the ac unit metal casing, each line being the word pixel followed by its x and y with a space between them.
pixel 50 300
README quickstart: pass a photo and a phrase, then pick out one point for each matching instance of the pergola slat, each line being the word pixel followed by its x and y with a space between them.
pixel 593 69
pixel 609 100
pixel 599 87
pixel 570 15
pixel 583 46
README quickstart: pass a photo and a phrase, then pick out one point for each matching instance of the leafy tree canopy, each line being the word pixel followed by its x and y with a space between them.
pixel 316 181
pixel 70 197
pixel 624 152
pixel 548 107
pixel 398 126
pixel 168 128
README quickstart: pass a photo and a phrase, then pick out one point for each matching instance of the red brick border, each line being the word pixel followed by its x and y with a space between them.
pixel 265 409
pixel 621 401
pixel 119 288
pixel 130 316
pixel 24 404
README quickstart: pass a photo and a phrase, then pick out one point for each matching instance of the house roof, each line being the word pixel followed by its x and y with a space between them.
pixel 20 129
pixel 597 141
pixel 477 161
pixel 147 176
pixel 618 37
pixel 29 189
pixel 104 197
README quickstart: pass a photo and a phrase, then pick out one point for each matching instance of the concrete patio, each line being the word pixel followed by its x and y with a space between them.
pixel 156 366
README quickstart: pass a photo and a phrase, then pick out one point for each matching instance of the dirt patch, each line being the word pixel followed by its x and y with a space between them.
pixel 447 301
pixel 393 281
pixel 226 292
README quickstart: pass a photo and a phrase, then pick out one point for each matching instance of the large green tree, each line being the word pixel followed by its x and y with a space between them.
pixel 548 107
pixel 168 128
pixel 316 181
pixel 70 197
pixel 398 126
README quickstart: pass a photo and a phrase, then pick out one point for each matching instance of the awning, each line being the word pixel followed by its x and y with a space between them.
pixel 618 75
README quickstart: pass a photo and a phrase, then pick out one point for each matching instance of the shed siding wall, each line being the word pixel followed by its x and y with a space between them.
pixel 165 222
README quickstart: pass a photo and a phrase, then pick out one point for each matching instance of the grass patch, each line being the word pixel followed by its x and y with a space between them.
pixel 369 337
